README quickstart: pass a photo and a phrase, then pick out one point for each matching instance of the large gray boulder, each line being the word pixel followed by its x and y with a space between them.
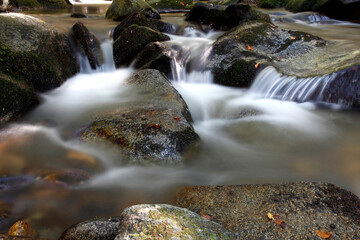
pixel 277 211
pixel 149 221
pixel 155 129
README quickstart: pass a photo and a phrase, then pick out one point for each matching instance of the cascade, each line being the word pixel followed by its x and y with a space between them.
pixel 271 84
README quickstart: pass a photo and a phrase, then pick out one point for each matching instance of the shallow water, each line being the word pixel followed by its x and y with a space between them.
pixel 245 138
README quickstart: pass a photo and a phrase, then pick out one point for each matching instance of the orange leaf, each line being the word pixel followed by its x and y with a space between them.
pixel 292 38
pixel 154 125
pixel 182 3
pixel 257 65
pixel 323 234
pixel 207 217
pixel 177 118
pixel 248 47
pixel 279 222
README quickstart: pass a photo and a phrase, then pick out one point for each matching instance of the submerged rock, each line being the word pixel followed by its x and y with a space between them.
pixel 120 9
pixel 156 129
pixel 297 210
pixel 132 40
pixel 155 221
pixel 22 229
pixel 87 43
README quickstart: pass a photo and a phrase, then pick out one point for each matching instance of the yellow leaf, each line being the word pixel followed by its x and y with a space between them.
pixel 270 216
pixel 323 234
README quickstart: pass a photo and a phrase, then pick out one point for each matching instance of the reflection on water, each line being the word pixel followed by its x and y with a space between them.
pixel 244 139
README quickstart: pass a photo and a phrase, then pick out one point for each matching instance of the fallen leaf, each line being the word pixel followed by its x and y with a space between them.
pixel 51 177
pixel 177 118
pixel 323 234
pixel 250 48
pixel 270 216
pixel 279 222
pixel 154 125
pixel 292 38
pixel 208 217
pixel 257 65
pixel 182 3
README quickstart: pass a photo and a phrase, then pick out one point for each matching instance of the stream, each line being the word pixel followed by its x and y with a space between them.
pixel 269 133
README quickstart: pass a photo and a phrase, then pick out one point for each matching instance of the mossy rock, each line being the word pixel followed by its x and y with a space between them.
pixel 120 9
pixel 272 3
pixel 52 4
pixel 170 4
pixel 162 221
pixel 43 56
pixel 300 5
pixel 132 40
pixel 154 130
pixel 15 99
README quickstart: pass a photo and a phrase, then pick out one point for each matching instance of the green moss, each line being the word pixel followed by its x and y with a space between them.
pixel 54 3
pixel 300 5
pixel 240 74
pixel 29 68
pixel 174 4
pixel 25 3
pixel 15 98
pixel 272 3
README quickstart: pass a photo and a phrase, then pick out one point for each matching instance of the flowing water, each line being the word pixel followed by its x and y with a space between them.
pixel 270 133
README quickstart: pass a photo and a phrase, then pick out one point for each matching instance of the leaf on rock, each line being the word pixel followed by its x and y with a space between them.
pixel 323 234
pixel 292 38
pixel 249 48
pixel 270 216
pixel 177 118
pixel 257 65
pixel 208 217
pixel 182 3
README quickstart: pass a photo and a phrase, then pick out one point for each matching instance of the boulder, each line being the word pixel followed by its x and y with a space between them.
pixel 104 229
pixel 272 3
pixel 132 40
pixel 51 4
pixel 338 9
pixel 277 211
pixel 43 60
pixel 238 55
pixel 88 45
pixel 42 55
pixel 140 20
pixel 161 221
pixel 120 9
pixel 149 221
pixel 16 98
pixel 155 56
pixel 224 18
pixel 170 4
pixel 155 130
pixel 22 229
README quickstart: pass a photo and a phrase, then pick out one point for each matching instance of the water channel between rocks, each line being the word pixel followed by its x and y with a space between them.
pixel 247 135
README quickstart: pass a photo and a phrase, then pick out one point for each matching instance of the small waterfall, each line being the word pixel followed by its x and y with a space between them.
pixel 190 54
pixel 107 53
pixel 271 84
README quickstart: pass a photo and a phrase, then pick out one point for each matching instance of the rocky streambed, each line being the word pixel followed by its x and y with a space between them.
pixel 130 138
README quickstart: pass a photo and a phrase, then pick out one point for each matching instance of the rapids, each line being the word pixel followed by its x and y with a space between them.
pixel 269 133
